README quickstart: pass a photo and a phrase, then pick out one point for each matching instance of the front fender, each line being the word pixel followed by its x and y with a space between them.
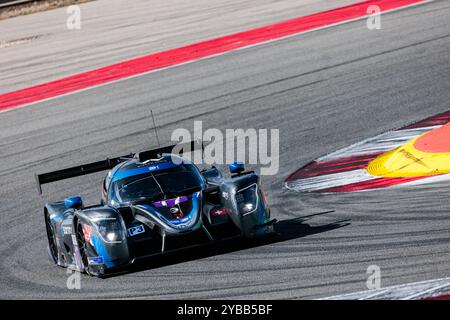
pixel 103 254
pixel 254 223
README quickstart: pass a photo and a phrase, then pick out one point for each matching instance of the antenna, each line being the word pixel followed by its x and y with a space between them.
pixel 154 127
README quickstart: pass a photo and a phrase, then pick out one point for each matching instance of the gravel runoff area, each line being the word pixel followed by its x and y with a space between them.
pixel 30 7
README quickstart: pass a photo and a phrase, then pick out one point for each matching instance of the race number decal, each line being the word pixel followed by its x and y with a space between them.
pixel 136 230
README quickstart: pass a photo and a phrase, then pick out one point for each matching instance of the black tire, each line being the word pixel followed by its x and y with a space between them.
pixel 82 246
pixel 52 247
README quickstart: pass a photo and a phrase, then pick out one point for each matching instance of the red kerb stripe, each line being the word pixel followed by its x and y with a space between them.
pixel 371 184
pixel 333 166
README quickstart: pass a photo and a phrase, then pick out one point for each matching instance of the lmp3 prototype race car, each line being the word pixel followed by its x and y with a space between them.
pixel 153 202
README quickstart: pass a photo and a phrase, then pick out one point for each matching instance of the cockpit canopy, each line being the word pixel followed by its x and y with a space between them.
pixel 178 180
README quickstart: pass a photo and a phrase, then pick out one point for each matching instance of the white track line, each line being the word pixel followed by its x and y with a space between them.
pixel 434 179
pixel 406 291
pixel 424 293
pixel 380 143
pixel 330 180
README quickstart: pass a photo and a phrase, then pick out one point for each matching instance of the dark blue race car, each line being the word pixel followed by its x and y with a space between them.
pixel 153 202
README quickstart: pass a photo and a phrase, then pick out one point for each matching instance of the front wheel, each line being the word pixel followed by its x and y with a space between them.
pixel 83 246
pixel 52 247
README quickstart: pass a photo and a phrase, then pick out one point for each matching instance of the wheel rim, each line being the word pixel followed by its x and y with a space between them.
pixel 51 239
pixel 82 245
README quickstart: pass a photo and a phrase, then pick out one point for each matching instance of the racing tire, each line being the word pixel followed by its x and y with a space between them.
pixel 82 246
pixel 52 247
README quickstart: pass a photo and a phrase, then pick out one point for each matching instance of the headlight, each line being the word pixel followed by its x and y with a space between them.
pixel 110 229
pixel 247 199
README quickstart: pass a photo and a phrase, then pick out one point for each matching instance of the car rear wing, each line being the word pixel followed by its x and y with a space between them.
pixel 108 164
pixel 186 147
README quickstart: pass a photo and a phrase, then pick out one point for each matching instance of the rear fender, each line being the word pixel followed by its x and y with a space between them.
pixel 57 213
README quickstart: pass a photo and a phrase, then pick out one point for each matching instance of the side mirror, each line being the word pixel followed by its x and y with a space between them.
pixel 73 202
pixel 236 167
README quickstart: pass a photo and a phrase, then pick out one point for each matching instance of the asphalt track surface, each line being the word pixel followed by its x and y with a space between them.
pixel 324 90
pixel 38 48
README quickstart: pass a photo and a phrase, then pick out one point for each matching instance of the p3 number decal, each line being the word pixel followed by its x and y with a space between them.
pixel 136 230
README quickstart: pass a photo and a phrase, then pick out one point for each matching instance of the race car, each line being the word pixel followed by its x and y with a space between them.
pixel 153 202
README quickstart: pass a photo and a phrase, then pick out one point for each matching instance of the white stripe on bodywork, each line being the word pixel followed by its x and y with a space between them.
pixel 330 180
pixel 381 143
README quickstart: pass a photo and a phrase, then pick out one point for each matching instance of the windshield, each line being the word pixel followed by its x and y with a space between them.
pixel 169 183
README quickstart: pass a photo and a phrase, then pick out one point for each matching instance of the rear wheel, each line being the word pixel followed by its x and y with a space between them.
pixel 52 244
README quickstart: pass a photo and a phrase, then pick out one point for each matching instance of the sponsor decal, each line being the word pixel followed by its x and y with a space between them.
pixel 95 260
pixel 136 230
pixel 78 262
pixel 220 212
pixel 225 195
pixel 74 240
pixel 170 202
pixel 141 170
pixel 87 230
pixel 183 220
pixel 67 230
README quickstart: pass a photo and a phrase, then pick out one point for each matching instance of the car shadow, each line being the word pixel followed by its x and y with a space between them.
pixel 286 230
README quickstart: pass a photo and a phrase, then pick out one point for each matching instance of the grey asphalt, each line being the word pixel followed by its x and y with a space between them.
pixel 39 47
pixel 324 90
